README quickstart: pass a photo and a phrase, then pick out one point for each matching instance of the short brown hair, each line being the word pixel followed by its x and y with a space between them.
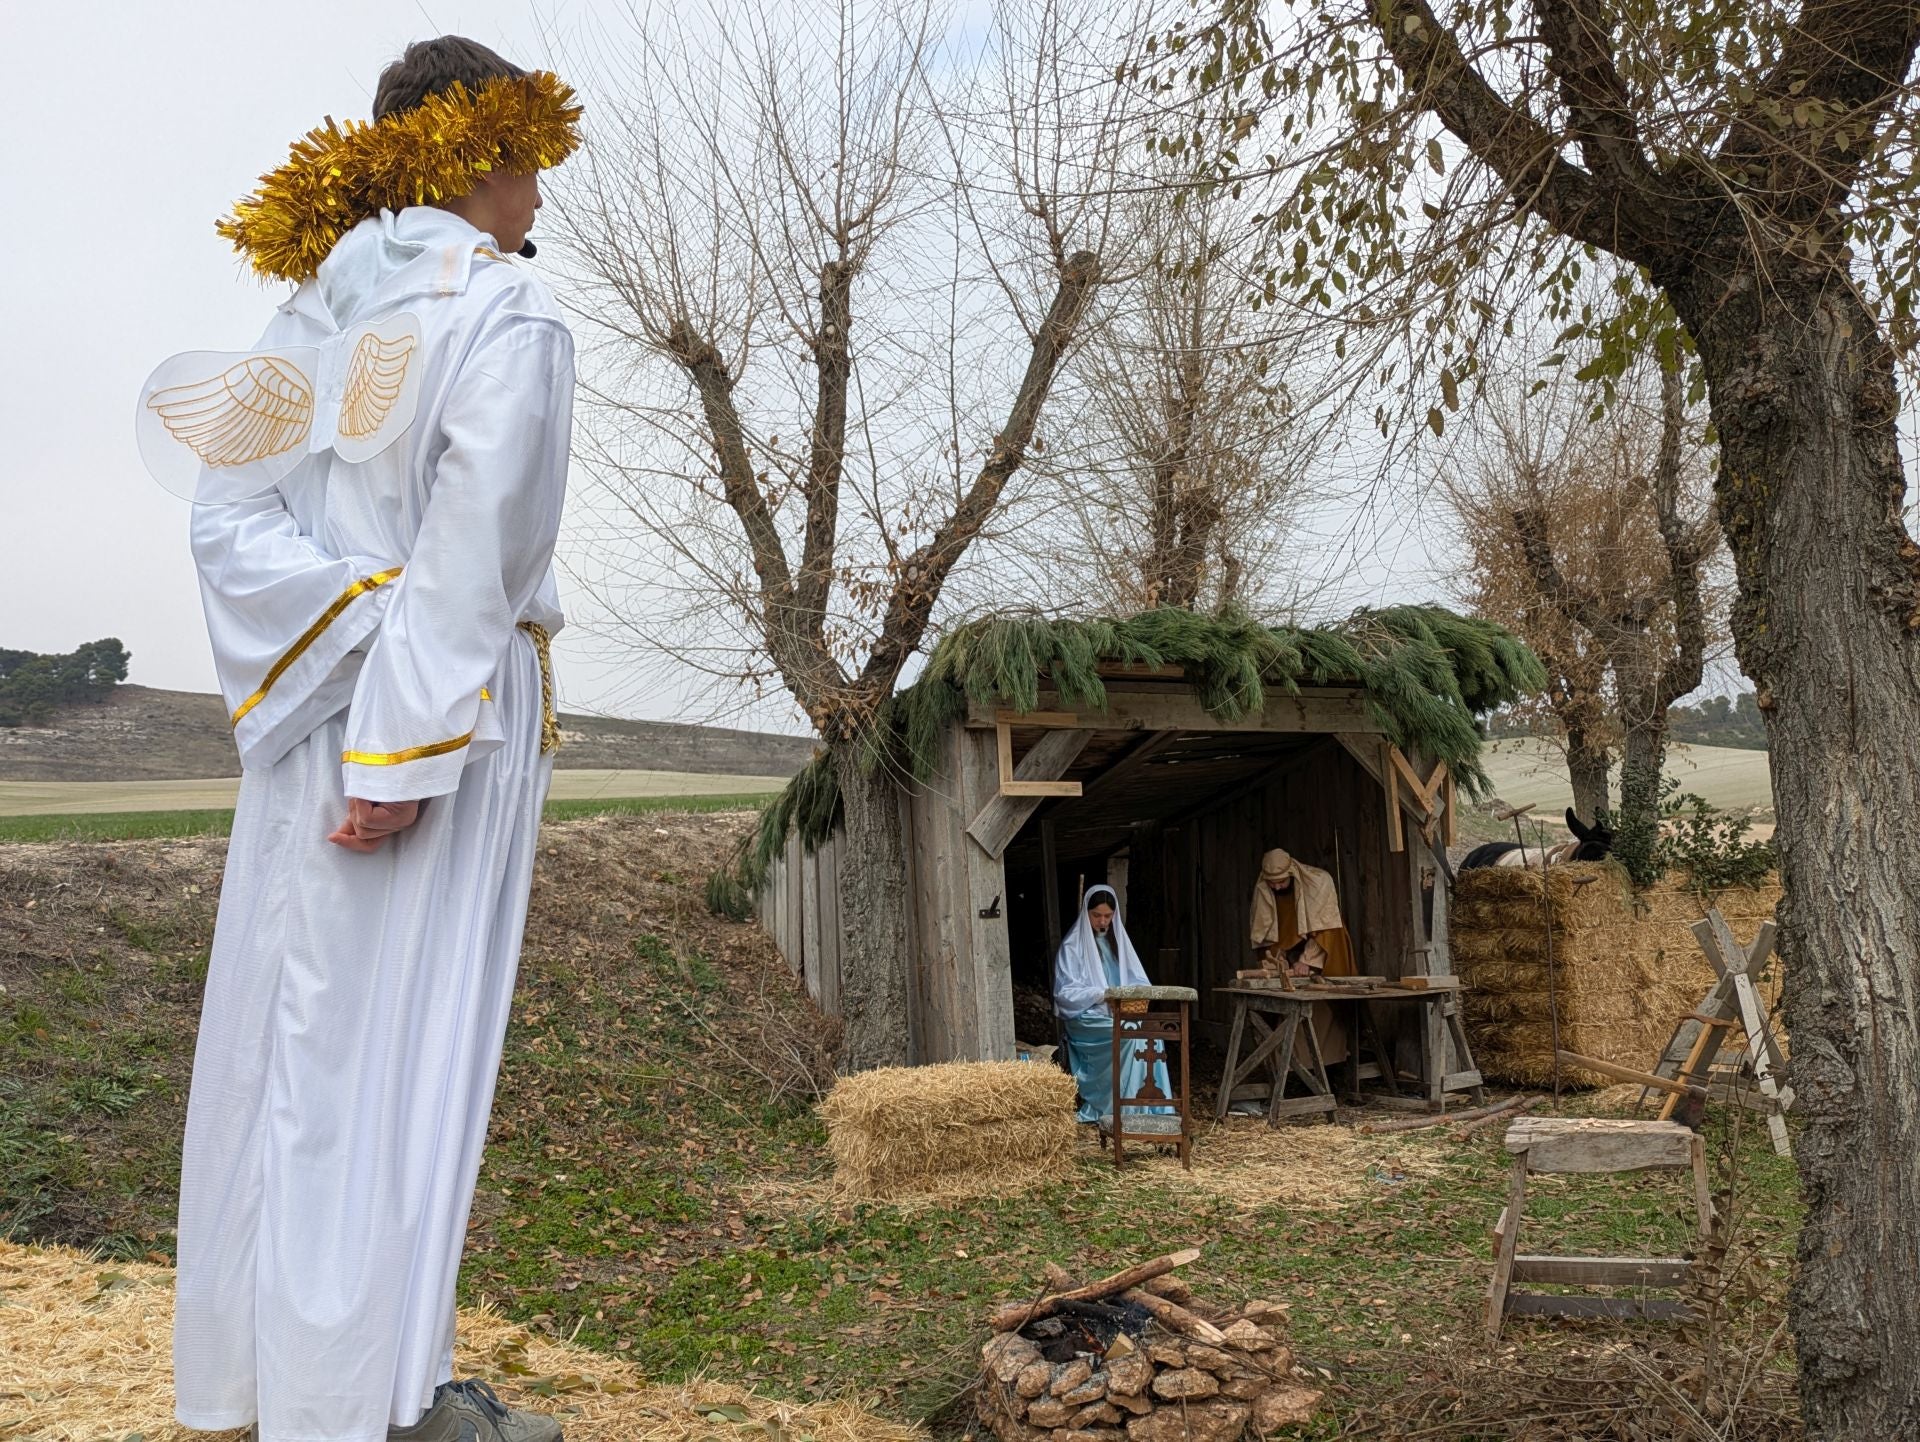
pixel 431 67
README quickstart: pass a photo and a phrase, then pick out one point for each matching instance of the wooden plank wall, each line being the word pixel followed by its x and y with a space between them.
pixel 799 908
pixel 962 980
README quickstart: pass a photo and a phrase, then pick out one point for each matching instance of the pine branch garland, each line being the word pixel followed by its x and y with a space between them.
pixel 1427 674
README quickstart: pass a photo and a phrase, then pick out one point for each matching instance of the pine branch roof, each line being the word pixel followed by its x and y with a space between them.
pixel 1426 673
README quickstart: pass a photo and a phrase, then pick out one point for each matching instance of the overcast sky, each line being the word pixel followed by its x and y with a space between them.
pixel 132 126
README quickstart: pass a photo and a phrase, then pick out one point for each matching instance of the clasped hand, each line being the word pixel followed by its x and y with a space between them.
pixel 370 823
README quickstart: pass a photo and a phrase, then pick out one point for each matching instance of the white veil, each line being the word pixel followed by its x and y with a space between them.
pixel 1079 977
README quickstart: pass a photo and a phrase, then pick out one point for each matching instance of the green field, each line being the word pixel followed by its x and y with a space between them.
pixel 143 825
pixel 1534 772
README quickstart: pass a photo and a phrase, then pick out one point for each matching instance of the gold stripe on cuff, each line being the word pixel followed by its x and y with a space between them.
pixel 412 753
pixel 313 633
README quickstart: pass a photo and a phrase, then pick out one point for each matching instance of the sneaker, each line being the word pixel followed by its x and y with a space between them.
pixel 470 1412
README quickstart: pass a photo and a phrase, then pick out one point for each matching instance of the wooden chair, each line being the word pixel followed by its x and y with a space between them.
pixel 1591 1144
pixel 1152 1016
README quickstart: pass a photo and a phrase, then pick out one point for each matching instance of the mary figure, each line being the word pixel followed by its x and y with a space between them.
pixel 1097 955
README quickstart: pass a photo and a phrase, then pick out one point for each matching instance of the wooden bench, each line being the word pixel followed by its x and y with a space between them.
pixel 1592 1144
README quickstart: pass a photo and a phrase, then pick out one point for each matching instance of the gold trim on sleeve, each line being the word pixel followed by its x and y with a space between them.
pixel 327 617
pixel 412 753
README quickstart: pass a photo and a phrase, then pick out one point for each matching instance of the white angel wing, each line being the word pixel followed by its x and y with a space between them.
pixel 379 387
pixel 218 426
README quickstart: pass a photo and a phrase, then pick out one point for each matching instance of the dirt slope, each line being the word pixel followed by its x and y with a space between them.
pixel 142 734
pixel 103 953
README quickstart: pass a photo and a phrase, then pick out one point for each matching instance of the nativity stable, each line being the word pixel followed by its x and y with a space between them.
pixel 1163 755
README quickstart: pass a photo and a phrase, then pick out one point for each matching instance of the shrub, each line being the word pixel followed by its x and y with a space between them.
pixel 1711 846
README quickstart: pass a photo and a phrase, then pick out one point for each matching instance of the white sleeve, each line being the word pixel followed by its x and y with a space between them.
pixel 1076 990
pixel 282 615
pixel 484 547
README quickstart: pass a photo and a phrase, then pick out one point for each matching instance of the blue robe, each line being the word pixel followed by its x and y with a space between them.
pixel 1090 1055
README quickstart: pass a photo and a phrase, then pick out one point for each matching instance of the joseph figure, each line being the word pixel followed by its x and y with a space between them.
pixel 1295 923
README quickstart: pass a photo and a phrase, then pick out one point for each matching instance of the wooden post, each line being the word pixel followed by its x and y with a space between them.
pixel 985 985
pixel 1050 900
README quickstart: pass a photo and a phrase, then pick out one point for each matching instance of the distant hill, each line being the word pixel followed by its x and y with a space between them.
pixel 138 733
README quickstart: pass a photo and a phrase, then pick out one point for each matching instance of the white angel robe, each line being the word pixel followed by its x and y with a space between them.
pixel 365 622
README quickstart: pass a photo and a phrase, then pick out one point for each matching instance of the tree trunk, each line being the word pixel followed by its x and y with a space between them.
pixel 874 953
pixel 1809 494
pixel 1588 766
pixel 1643 756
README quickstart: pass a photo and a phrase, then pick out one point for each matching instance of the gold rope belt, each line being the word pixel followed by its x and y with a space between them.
pixel 549 721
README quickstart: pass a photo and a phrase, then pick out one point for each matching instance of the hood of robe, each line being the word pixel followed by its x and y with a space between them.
pixel 1079 977
pixel 390 257
pixel 1316 900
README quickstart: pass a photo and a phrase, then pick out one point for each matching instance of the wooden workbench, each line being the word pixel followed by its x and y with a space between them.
pixel 1254 1002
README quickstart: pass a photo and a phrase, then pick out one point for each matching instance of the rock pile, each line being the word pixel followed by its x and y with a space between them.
pixel 1159 1387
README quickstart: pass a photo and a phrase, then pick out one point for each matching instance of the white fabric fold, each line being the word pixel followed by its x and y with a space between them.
pixel 1079 976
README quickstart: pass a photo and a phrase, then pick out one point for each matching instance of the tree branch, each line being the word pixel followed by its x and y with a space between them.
pixel 1684 553
pixel 1580 54
pixel 1517 148
pixel 1852 56
pixel 827 450
pixel 809 671
pixel 925 572
pixel 1576 603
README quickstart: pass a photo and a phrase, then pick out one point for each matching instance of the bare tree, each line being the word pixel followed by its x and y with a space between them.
pixel 1593 535
pixel 1188 447
pixel 1654 634
pixel 833 267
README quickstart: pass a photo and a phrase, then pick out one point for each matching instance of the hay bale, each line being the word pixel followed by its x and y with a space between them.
pixel 86 1353
pixel 1626 965
pixel 959 1128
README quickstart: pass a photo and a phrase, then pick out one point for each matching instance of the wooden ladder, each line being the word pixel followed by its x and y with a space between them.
pixel 1732 1002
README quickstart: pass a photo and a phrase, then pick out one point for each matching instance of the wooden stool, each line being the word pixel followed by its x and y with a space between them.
pixel 1592 1144
pixel 1152 1016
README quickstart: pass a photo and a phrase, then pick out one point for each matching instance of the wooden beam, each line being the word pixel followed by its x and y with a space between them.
pixel 1630 1074
pixel 1169 709
pixel 1652 1309
pixel 1603 1271
pixel 1396 829
pixel 1367 749
pixel 1046 720
pixel 1002 817
pixel 1149 747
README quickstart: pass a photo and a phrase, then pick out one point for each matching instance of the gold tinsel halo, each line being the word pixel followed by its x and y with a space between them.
pixel 337 175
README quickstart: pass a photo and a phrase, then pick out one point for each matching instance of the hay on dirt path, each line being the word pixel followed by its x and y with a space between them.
pixel 86 1353
pixel 955 1129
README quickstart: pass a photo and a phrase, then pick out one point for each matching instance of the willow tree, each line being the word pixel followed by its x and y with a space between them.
pixel 1591 535
pixel 1189 446
pixel 830 262
pixel 1751 165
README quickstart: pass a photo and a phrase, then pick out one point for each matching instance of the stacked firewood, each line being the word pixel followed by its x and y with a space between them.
pixel 1134 1354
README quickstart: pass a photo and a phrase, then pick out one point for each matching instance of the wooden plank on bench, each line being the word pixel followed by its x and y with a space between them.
pixel 1599 1144
pixel 1652 1309
pixel 1603 1271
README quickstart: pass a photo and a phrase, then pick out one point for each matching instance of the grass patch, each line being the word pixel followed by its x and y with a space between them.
pixel 116 825
pixel 160 825
pixel 651 1188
